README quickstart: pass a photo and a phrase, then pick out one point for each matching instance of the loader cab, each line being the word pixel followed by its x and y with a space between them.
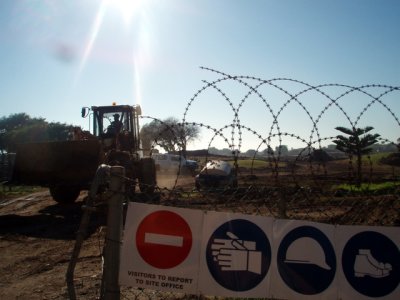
pixel 117 126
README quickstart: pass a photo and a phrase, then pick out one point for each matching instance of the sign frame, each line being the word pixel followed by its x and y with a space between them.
pixel 135 271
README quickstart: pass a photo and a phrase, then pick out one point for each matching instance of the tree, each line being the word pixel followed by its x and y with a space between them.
pixel 282 150
pixel 21 128
pixel 320 156
pixel 250 153
pixel 267 151
pixel 357 143
pixel 16 121
pixel 168 134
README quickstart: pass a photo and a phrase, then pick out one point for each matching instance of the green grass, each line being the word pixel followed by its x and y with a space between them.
pixel 375 157
pixel 365 187
pixel 16 191
pixel 256 163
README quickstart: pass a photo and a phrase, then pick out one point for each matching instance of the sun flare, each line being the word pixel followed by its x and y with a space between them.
pixel 127 8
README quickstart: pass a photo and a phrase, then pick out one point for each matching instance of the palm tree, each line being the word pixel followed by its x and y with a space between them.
pixel 357 143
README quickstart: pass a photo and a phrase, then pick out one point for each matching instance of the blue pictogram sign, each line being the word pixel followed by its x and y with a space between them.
pixel 371 264
pixel 238 255
pixel 306 260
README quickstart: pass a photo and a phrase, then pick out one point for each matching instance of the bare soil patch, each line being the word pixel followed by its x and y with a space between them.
pixel 37 235
pixel 36 241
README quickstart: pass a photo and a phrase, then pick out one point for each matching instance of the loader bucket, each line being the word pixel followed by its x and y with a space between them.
pixel 57 163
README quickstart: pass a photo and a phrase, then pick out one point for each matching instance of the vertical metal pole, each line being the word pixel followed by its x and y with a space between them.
pixel 114 234
pixel 101 177
pixel 282 204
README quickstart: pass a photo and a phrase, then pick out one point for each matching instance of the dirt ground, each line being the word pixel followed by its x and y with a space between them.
pixel 36 240
pixel 37 236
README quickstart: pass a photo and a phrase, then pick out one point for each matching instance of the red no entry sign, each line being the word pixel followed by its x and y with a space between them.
pixel 163 239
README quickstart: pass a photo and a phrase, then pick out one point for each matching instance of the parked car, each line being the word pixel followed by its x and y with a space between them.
pixel 173 162
pixel 216 174
pixel 192 165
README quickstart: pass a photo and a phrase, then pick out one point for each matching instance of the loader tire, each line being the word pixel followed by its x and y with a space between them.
pixel 147 175
pixel 64 194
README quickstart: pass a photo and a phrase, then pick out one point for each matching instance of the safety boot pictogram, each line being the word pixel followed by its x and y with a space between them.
pixel 366 265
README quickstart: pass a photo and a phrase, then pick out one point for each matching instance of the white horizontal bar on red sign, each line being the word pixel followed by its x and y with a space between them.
pixel 163 239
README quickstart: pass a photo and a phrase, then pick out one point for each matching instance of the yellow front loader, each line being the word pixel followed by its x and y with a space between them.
pixel 67 167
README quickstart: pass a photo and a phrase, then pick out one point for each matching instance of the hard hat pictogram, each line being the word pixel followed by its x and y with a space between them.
pixel 314 255
pixel 306 260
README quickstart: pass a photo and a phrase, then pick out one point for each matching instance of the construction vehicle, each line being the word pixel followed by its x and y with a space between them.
pixel 68 167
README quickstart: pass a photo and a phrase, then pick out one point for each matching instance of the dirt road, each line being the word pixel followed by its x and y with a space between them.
pixel 36 241
pixel 37 236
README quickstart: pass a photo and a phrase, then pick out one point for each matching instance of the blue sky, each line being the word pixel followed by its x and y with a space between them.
pixel 57 56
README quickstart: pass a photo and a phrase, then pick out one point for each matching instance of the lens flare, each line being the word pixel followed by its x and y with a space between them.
pixel 98 20
pixel 137 93
pixel 127 8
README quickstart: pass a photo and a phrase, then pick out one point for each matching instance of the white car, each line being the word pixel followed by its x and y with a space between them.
pixel 216 174
pixel 173 163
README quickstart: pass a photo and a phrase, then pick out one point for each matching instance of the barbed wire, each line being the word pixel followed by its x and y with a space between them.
pixel 301 186
pixel 271 183
pixel 281 179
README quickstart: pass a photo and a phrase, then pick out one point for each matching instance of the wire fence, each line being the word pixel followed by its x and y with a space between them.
pixel 277 135
pixel 312 181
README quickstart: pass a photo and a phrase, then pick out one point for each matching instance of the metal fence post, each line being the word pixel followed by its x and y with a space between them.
pixel 101 177
pixel 114 234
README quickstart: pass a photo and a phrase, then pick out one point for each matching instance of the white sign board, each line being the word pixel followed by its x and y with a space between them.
pixel 235 255
pixel 161 248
